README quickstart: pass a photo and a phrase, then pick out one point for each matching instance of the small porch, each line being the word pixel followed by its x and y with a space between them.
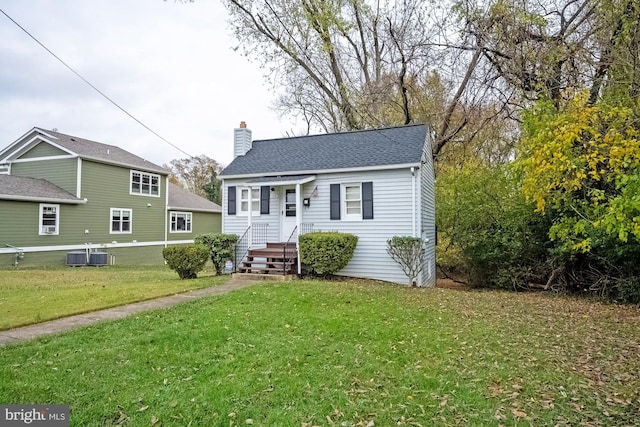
pixel 269 246
pixel 254 254
pixel 277 258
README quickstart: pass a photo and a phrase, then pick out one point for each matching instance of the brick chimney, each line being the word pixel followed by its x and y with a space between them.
pixel 241 140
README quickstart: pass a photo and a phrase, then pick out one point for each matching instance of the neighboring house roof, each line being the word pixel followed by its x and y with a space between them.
pixel 182 199
pixel 83 148
pixel 338 151
pixel 35 190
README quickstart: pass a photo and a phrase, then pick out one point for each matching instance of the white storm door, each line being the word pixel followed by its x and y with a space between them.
pixel 288 212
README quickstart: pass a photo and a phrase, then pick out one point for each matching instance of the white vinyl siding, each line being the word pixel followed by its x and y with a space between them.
pixel 393 216
pixel 49 219
pixel 121 221
pixel 428 218
pixel 238 223
pixel 397 213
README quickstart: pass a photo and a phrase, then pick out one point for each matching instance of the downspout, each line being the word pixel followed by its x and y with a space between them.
pixel 298 222
pixel 225 198
pixel 166 213
pixel 413 201
pixel 79 179
pixel 249 217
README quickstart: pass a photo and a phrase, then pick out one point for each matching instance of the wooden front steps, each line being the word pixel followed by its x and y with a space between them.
pixel 275 259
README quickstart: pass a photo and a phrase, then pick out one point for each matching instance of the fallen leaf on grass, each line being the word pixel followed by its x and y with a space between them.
pixel 518 414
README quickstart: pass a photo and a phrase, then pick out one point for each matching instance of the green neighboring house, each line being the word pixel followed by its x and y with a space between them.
pixel 62 196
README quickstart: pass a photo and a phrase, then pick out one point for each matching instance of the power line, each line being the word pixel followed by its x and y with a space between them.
pixel 95 88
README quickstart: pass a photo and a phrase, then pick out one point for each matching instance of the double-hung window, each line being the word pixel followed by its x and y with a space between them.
pixel 255 201
pixel 352 201
pixel 146 184
pixel 49 219
pixel 181 222
pixel 238 200
pixel 121 220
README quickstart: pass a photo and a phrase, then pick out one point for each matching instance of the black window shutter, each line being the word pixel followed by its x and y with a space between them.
pixel 264 199
pixel 334 197
pixel 231 200
pixel 367 200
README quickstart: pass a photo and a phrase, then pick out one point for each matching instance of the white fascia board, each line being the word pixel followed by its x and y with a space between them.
pixel 282 182
pixel 84 246
pixel 38 159
pixel 42 199
pixel 9 149
pixel 128 166
pixel 20 147
pixel 323 171
pixel 186 209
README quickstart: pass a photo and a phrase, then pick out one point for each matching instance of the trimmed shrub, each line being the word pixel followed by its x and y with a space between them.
pixel 324 253
pixel 186 260
pixel 409 253
pixel 220 248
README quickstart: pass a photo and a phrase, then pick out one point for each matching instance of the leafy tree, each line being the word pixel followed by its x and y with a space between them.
pixel 584 162
pixel 353 64
pixel 213 189
pixel 487 231
pixel 544 47
pixel 198 175
pixel 581 167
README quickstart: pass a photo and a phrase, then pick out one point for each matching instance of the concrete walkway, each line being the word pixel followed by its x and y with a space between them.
pixel 72 322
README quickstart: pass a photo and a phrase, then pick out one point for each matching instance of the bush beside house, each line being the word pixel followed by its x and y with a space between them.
pixel 220 246
pixel 323 253
pixel 186 260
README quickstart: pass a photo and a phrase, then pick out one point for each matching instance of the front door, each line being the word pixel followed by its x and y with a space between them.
pixel 288 212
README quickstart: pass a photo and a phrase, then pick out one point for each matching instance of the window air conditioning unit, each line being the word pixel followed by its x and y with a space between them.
pixel 49 229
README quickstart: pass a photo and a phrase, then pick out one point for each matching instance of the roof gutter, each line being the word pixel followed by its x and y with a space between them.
pixel 42 199
pixel 189 209
pixel 320 171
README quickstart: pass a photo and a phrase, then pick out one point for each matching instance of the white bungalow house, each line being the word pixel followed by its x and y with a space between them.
pixel 375 184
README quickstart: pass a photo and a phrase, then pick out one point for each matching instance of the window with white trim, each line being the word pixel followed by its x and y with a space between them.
pixel 146 184
pixel 49 218
pixel 181 222
pixel 121 221
pixel 352 196
pixel 244 201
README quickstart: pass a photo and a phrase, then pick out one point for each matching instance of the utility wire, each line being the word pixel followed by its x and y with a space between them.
pixel 95 88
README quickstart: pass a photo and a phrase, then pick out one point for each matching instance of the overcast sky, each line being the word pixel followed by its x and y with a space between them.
pixel 169 64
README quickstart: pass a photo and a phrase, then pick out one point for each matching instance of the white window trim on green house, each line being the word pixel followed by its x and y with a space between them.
pixel 144 184
pixel 243 201
pixel 120 221
pixel 181 227
pixel 352 201
pixel 49 219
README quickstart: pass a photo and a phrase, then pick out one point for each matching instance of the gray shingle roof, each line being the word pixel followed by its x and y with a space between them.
pixel 102 152
pixel 36 189
pixel 179 198
pixel 347 150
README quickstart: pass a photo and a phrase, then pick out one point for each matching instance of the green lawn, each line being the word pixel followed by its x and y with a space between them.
pixel 35 295
pixel 350 353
